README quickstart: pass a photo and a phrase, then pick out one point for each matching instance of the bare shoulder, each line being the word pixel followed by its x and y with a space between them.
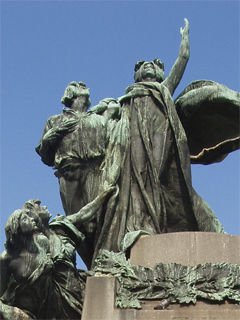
pixel 4 258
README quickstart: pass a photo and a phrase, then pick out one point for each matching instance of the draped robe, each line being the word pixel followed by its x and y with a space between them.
pixel 55 289
pixel 149 160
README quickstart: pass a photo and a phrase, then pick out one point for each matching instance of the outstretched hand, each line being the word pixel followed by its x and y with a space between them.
pixel 184 31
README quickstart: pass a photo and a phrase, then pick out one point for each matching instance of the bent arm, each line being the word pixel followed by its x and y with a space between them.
pixel 109 108
pixel 54 130
pixel 179 66
pixel 10 313
pixel 113 110
pixel 45 147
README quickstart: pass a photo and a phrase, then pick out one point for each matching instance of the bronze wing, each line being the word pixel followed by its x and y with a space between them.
pixel 210 115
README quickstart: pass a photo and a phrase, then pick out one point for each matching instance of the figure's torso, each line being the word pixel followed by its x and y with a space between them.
pixel 86 141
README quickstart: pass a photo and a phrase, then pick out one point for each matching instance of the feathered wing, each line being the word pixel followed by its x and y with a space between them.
pixel 210 115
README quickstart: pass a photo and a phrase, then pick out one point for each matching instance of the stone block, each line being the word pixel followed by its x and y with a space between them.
pixel 188 248
pixel 99 304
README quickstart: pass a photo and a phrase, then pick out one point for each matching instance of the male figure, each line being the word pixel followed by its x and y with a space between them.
pixel 74 143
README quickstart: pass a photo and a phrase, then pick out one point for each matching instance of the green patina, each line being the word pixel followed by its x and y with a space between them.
pixel 184 284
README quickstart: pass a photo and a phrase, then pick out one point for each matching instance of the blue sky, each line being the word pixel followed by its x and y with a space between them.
pixel 47 44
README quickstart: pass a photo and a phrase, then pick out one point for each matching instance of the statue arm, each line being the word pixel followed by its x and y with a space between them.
pixel 176 73
pixel 9 313
pixel 53 132
pixel 4 272
pixel 88 211
pixel 45 148
pixel 113 110
pixel 109 108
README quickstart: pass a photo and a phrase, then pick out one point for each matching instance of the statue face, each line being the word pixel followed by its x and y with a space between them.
pixel 78 90
pixel 74 90
pixel 27 224
pixel 148 71
pixel 38 212
pixel 44 213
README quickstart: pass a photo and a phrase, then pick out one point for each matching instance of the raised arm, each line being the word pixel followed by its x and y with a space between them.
pixel 176 73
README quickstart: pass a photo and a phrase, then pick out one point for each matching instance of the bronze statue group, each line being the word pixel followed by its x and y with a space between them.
pixel 124 169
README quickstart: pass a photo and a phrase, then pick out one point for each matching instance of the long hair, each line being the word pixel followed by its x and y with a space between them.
pixel 12 229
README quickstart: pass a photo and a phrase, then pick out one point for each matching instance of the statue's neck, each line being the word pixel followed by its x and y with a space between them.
pixel 79 104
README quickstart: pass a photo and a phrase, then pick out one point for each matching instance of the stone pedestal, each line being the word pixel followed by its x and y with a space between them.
pixel 189 248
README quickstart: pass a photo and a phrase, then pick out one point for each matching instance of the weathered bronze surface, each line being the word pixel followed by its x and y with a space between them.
pixel 148 156
pixel 39 279
pixel 124 170
pixel 143 143
pixel 176 282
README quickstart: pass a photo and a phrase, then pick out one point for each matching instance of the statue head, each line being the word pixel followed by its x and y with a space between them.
pixel 40 213
pixel 18 225
pixel 75 90
pixel 149 71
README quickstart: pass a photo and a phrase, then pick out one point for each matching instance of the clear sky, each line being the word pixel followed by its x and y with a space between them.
pixel 47 44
